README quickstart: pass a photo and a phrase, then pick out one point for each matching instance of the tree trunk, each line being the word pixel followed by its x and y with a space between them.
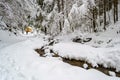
pixel 116 10
pixel 104 12
pixel 94 20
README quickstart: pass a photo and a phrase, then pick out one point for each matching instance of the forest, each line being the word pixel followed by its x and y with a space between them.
pixel 55 17
pixel 59 39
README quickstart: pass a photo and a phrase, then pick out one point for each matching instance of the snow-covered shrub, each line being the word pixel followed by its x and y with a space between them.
pixel 17 13
pixel 61 16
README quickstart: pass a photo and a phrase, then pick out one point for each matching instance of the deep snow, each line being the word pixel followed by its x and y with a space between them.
pixel 104 49
pixel 19 61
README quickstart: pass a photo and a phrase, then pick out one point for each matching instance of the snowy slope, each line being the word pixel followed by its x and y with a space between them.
pixel 7 38
pixel 19 61
pixel 104 49
pixel 108 57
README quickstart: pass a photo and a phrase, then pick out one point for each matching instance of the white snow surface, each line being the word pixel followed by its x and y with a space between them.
pixel 108 57
pixel 7 38
pixel 104 49
pixel 19 61
pixel 111 73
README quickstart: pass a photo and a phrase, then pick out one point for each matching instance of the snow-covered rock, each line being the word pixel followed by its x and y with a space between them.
pixel 111 73
pixel 85 66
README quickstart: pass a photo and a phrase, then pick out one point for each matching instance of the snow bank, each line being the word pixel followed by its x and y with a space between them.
pixel 20 62
pixel 8 38
pixel 108 57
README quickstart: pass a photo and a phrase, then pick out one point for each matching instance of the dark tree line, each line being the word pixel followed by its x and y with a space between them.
pixel 103 9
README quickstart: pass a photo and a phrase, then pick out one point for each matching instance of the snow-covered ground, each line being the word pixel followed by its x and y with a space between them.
pixel 19 61
pixel 6 38
pixel 103 49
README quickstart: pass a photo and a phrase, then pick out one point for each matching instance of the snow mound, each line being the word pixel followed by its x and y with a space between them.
pixel 108 57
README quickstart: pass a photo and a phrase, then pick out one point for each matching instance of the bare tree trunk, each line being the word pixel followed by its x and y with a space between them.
pixel 94 22
pixel 116 10
pixel 60 4
pixel 114 13
pixel 62 13
pixel 104 12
